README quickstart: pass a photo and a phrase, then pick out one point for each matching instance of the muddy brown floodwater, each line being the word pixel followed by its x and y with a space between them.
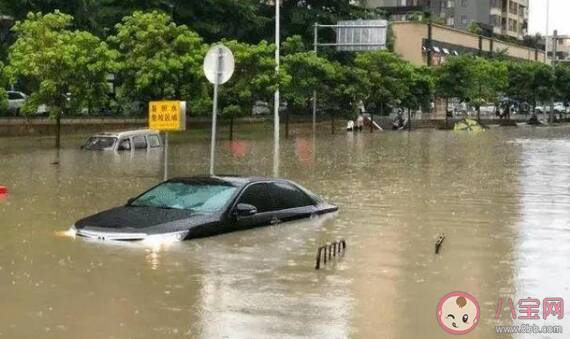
pixel 501 197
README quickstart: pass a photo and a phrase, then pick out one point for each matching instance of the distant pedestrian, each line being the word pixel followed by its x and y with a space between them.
pixel 359 122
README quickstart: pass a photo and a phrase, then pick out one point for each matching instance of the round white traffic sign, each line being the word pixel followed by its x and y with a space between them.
pixel 219 64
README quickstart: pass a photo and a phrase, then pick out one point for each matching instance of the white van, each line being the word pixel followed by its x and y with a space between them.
pixel 143 139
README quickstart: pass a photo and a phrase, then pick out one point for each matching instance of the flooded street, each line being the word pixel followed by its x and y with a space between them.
pixel 501 197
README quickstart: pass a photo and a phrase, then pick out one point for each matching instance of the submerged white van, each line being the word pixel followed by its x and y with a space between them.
pixel 143 139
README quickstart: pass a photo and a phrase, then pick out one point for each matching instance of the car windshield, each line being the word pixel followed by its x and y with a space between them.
pixel 204 198
pixel 99 143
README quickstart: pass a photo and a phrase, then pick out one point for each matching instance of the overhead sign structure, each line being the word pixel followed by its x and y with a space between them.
pixel 219 65
pixel 167 116
pixel 361 35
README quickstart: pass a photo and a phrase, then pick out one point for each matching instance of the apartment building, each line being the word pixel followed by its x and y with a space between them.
pixel 504 17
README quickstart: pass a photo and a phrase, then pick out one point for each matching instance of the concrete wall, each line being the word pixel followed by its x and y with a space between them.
pixel 409 37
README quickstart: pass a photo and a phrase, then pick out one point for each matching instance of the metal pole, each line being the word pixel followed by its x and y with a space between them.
pixel 315 46
pixel 554 51
pixel 547 29
pixel 215 111
pixel 277 99
pixel 165 156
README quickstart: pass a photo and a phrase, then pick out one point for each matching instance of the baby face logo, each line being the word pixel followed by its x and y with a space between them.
pixel 458 313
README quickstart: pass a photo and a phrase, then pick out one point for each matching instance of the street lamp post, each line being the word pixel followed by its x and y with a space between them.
pixel 276 103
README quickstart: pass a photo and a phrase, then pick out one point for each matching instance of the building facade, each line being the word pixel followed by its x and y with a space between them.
pixel 504 17
pixel 421 45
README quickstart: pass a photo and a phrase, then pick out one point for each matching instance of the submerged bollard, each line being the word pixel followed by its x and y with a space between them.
pixel 439 242
pixel 329 251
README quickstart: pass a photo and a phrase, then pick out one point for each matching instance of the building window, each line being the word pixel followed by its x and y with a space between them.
pixel 451 21
pixel 464 3
pixel 451 4
pixel 463 20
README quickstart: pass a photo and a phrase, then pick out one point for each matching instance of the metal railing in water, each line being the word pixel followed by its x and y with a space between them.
pixel 327 252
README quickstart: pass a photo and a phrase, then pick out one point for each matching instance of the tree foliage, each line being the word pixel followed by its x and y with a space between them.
pixel 308 72
pixel 455 78
pixel 159 59
pixel 3 95
pixel 254 78
pixel 59 61
pixel 562 83
pixel 386 76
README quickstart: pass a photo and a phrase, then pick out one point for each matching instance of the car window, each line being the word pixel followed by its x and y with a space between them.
pixel 288 196
pixel 153 140
pixel 99 143
pixel 125 145
pixel 139 142
pixel 204 198
pixel 258 196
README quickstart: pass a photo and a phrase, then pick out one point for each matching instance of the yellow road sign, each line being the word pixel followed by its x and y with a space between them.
pixel 167 115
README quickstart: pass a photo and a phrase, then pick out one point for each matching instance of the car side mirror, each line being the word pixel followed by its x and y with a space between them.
pixel 245 210
pixel 130 201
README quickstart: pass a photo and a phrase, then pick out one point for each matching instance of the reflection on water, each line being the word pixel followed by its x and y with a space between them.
pixel 501 197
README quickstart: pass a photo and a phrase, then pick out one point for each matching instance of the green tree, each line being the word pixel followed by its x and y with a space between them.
pixel 562 83
pixel 543 82
pixel 386 74
pixel 254 79
pixel 3 95
pixel 307 73
pixel 455 79
pixel 349 86
pixel 56 60
pixel 293 44
pixel 160 60
pixel 520 77
pixel 421 86
pixel 491 79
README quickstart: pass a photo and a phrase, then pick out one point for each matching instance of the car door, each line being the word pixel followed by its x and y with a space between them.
pixel 257 195
pixel 290 202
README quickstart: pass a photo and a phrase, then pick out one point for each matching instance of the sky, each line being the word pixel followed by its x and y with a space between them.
pixel 559 16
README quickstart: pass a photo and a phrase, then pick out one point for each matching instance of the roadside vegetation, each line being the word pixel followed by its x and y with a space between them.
pixel 96 62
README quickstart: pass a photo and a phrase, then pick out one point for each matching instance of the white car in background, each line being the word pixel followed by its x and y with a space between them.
pixel 558 108
pixel 16 101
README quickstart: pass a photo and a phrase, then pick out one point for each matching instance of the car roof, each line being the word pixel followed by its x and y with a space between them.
pixel 233 180
pixel 120 134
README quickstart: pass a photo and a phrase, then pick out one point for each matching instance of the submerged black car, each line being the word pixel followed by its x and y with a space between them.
pixel 195 207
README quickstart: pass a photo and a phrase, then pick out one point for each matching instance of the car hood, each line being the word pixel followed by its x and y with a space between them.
pixel 134 223
pixel 133 217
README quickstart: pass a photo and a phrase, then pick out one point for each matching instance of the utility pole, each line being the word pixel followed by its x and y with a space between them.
pixel 276 103
pixel 316 49
pixel 554 57
pixel 547 31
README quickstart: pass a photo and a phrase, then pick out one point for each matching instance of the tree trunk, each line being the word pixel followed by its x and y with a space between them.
pixel 409 119
pixel 287 124
pixel 332 123
pixel 58 130
pixel 231 128
pixel 446 108
pixel 479 113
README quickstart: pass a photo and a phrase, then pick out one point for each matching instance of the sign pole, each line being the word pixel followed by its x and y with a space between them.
pixel 316 48
pixel 165 156
pixel 276 104
pixel 219 65
pixel 215 111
